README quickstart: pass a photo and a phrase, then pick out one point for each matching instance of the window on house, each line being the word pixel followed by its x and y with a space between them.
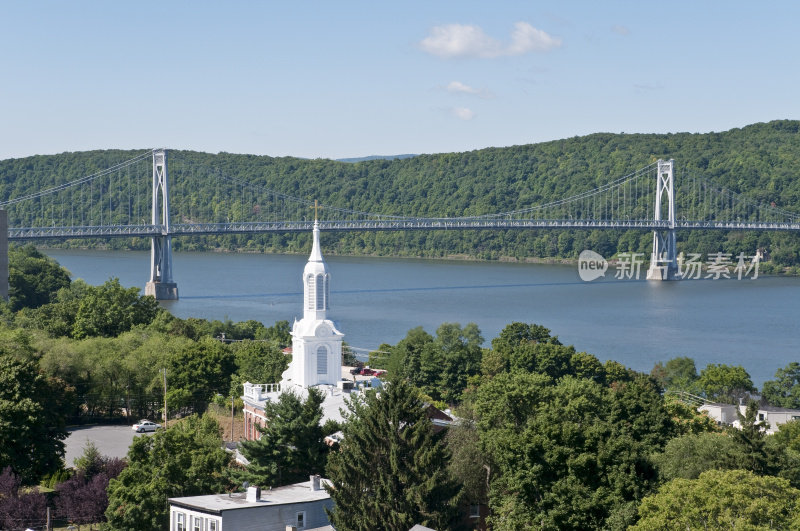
pixel 198 524
pixel 322 360
pixel 180 522
pixel 301 520
pixel 474 510
pixel 213 525
pixel 760 416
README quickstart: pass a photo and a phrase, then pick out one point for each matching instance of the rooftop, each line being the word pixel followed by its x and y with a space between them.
pixel 296 493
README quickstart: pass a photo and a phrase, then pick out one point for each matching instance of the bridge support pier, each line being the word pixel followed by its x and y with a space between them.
pixel 161 286
pixel 664 258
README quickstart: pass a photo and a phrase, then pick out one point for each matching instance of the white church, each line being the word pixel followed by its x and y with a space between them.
pixel 316 352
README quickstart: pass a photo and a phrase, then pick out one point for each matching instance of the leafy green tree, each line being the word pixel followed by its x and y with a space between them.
pixel 32 419
pixel 686 418
pixel 110 309
pixel 579 465
pixel 33 278
pixel 730 499
pixel 405 357
pixel 585 365
pixel 617 372
pixel 449 360
pixel 257 362
pixel 784 390
pixel 291 446
pixel 783 451
pixel 678 374
pixel 280 334
pixel 545 358
pixel 516 334
pixel 185 460
pixel 690 455
pixel 439 366
pixel 391 471
pixel 197 371
pixel 468 465
pixel 724 383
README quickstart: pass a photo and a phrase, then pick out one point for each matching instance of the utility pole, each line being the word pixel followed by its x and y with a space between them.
pixel 164 371
pixel 231 418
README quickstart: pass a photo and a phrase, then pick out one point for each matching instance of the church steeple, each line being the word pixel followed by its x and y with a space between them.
pixel 316 282
pixel 316 341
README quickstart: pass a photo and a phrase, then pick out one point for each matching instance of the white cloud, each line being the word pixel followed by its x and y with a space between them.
pixel 457 87
pixel 462 113
pixel 525 38
pixel 458 40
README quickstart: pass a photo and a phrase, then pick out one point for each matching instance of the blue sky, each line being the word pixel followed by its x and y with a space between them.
pixel 348 79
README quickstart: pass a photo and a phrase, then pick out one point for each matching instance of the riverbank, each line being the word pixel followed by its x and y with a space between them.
pixel 766 268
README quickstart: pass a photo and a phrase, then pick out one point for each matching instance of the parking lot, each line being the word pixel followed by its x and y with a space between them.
pixel 111 441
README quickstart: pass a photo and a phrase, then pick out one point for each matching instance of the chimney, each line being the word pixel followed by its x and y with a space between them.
pixel 314 482
pixel 253 494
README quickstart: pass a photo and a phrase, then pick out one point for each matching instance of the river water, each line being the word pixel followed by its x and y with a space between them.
pixel 753 323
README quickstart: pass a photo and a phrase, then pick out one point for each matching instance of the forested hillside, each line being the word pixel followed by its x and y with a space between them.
pixel 760 160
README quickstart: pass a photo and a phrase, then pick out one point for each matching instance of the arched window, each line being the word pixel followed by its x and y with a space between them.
pixel 327 291
pixel 320 292
pixel 310 292
pixel 322 359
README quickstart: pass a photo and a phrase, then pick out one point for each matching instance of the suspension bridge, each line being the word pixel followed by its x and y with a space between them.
pixel 143 197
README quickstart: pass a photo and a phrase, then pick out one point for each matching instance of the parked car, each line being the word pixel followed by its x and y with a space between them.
pixel 145 425
pixel 355 370
pixel 366 371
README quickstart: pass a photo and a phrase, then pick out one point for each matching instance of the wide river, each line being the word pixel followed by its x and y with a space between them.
pixel 753 323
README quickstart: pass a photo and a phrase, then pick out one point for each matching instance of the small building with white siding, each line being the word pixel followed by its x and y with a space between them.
pixel 300 506
pixel 770 416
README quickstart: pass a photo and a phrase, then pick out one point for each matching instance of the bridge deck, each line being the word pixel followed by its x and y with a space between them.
pixel 189 229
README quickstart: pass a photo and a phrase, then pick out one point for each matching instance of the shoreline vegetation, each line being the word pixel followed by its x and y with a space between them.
pixel 766 268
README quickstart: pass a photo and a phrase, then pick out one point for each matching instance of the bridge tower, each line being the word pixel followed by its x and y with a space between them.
pixel 161 285
pixel 663 260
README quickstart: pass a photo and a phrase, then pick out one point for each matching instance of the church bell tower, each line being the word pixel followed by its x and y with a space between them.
pixel 316 342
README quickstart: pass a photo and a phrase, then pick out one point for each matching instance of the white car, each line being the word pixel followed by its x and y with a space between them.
pixel 145 425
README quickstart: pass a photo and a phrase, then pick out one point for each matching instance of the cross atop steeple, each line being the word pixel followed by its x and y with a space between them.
pixel 316 208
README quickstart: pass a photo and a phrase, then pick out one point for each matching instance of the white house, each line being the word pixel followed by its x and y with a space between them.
pixel 774 416
pixel 300 506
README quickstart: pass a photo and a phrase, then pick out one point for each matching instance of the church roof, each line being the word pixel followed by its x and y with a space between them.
pixel 332 405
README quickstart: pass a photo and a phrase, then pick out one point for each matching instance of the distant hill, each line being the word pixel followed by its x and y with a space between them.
pixel 760 160
pixel 378 157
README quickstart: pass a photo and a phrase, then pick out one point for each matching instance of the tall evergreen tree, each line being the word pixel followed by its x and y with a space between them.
pixel 391 472
pixel 291 445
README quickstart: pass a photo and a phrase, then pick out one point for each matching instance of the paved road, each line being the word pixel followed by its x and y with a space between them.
pixel 111 441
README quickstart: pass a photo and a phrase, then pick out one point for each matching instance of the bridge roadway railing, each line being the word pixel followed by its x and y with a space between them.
pixel 392 224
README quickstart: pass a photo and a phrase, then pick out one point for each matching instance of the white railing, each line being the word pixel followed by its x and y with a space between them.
pixel 257 391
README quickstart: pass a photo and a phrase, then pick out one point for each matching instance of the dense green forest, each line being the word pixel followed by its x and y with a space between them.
pixel 759 161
